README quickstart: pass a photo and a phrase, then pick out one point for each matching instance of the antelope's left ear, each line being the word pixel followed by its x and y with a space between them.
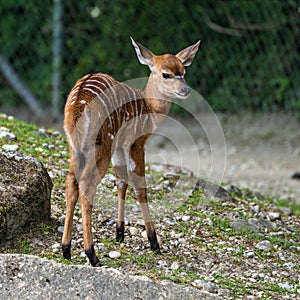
pixel 187 55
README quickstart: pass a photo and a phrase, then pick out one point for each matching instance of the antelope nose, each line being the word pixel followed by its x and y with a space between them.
pixel 185 91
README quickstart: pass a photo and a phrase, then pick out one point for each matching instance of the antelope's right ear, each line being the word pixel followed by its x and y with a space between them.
pixel 144 55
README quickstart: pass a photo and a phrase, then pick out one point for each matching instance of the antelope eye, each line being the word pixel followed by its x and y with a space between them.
pixel 166 75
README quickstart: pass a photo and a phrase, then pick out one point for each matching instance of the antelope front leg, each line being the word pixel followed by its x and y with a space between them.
pixel 151 234
pixel 136 174
pixel 119 164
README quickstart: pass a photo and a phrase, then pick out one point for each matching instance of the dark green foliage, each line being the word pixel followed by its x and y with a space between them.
pixel 249 56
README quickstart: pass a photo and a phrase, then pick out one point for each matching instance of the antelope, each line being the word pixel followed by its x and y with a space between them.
pixel 109 121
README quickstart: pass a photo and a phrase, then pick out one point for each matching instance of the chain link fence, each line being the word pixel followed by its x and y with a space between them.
pixel 249 55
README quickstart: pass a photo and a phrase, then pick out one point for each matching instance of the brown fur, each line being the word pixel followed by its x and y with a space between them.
pixel 107 120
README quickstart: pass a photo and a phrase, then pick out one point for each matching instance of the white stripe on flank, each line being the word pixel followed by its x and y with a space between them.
pixel 90 90
pixel 93 80
pixel 94 86
pixel 103 92
pixel 106 109
pixel 74 91
pixel 114 101
pixel 102 101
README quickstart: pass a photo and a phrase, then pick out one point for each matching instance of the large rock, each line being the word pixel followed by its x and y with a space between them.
pixel 25 191
pixel 30 277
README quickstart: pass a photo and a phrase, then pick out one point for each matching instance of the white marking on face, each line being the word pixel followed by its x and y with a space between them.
pixel 82 101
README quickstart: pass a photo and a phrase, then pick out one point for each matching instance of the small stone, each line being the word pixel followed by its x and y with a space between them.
pixel 111 222
pixel 79 227
pixel 244 225
pixel 277 233
pixel 255 209
pixel 281 256
pixel 42 131
pixel 207 286
pixel 3 116
pixel 158 188
pixel 175 265
pixel 162 263
pixel 60 229
pixel 109 180
pixel 140 222
pixel 285 286
pixel 10 147
pixel 114 254
pixel 289 265
pixel 7 135
pixel 133 230
pixel 56 133
pixel 262 224
pixel 273 216
pixel 286 211
pixel 185 218
pixel 169 221
pixel 249 254
pixel 264 245
pixel 144 234
pixel 267 224
pixel 55 246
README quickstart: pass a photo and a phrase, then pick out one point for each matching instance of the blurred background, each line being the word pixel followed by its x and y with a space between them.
pixel 248 60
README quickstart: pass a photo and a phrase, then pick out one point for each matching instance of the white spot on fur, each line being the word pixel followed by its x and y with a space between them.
pixel 111 136
pixel 82 102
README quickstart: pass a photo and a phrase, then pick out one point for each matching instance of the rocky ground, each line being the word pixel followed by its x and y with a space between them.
pixel 233 243
pixel 257 151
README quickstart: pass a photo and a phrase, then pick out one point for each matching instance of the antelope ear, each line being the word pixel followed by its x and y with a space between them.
pixel 144 55
pixel 187 55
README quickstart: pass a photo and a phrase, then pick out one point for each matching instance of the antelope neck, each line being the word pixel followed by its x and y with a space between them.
pixel 158 102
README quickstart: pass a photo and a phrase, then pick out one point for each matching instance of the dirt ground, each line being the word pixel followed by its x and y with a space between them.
pixel 258 151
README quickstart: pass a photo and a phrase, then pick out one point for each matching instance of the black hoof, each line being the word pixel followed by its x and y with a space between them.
pixel 93 257
pixel 153 242
pixel 66 250
pixel 120 232
pixel 157 251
